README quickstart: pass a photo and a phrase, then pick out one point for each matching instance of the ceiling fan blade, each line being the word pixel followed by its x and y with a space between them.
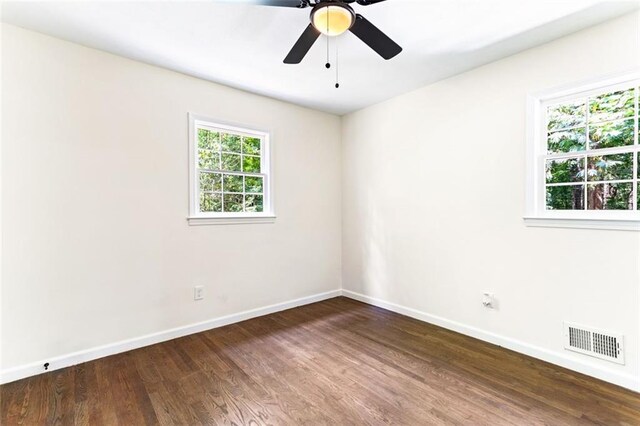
pixel 367 2
pixel 300 4
pixel 302 46
pixel 374 38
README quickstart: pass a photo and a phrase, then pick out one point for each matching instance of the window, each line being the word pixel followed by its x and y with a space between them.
pixel 584 155
pixel 229 173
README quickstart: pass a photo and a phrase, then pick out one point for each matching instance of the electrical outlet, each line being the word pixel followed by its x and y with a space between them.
pixel 198 292
pixel 488 301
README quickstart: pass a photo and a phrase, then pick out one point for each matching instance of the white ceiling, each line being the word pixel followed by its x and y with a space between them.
pixel 243 45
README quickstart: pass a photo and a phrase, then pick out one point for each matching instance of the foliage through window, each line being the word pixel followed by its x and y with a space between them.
pixel 591 161
pixel 231 171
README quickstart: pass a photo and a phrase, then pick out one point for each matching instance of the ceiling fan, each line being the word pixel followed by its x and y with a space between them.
pixel 332 18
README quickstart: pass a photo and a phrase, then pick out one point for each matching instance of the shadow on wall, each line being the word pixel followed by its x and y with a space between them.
pixel 375 270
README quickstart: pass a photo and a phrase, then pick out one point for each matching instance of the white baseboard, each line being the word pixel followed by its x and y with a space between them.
pixel 56 363
pixel 625 380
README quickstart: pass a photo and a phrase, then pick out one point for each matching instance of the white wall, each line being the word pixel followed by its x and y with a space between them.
pixel 433 201
pixel 95 197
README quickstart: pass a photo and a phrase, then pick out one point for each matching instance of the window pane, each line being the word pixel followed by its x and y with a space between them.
pixel 209 160
pixel 570 197
pixel 231 162
pixel 253 184
pixel 251 164
pixel 230 143
pixel 208 140
pixel 566 140
pixel 210 202
pixel 232 183
pixel 210 181
pixel 251 146
pixel 565 170
pixel 566 115
pixel 253 203
pixel 611 134
pixel 610 167
pixel 610 196
pixel 233 202
pixel 611 106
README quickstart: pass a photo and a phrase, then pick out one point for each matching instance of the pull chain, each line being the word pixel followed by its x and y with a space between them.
pixel 337 66
pixel 328 65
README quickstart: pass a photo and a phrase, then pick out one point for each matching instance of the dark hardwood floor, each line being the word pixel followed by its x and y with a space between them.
pixel 337 362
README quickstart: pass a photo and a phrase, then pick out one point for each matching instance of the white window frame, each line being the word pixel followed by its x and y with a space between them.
pixel 214 218
pixel 536 213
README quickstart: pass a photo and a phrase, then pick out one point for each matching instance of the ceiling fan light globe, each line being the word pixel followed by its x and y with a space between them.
pixel 332 20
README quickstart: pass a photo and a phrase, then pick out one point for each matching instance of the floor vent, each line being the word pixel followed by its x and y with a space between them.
pixel 594 342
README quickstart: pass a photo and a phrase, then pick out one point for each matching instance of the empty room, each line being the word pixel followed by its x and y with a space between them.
pixel 320 212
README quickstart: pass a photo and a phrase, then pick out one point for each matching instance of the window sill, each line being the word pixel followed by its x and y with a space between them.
pixel 583 223
pixel 232 220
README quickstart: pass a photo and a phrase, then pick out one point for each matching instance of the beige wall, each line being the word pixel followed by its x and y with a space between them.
pixel 433 201
pixel 95 197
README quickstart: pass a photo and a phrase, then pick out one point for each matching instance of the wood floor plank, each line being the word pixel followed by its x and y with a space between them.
pixel 335 362
pixel 292 394
pixel 329 393
pixel 437 387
